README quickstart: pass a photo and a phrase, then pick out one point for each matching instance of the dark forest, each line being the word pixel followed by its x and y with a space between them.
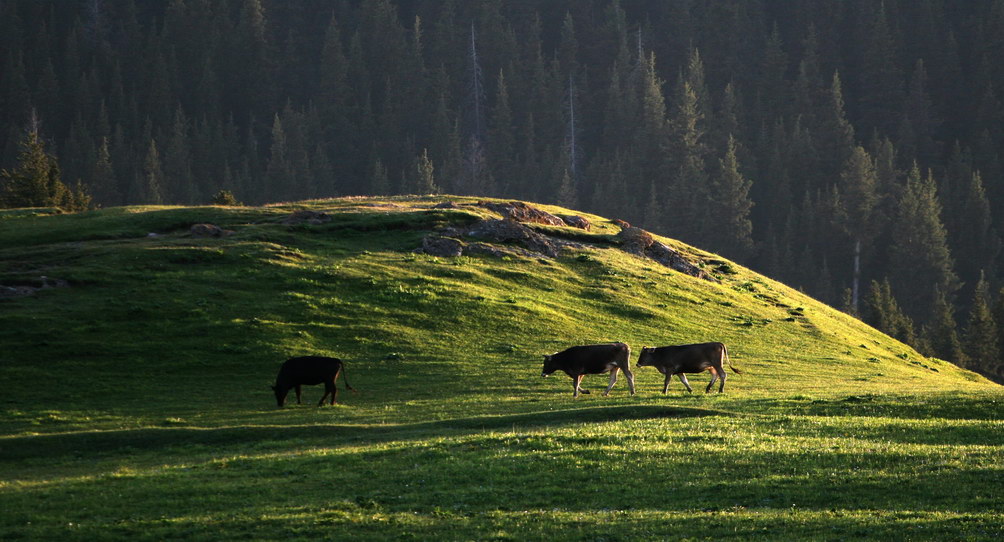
pixel 803 138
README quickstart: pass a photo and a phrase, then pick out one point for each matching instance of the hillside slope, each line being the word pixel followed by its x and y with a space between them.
pixel 139 320
pixel 136 360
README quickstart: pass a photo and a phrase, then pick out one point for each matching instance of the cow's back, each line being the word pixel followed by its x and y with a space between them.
pixel 689 355
pixel 308 370
pixel 592 357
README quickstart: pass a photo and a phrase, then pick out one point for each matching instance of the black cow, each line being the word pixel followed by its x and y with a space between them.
pixel 591 359
pixel 309 370
pixel 688 358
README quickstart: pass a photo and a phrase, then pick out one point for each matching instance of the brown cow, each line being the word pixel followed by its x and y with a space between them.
pixel 309 370
pixel 591 359
pixel 688 358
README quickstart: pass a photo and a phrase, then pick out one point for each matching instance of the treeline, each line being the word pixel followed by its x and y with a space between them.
pixel 807 138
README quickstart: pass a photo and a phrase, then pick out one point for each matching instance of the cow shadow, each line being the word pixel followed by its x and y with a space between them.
pixel 128 441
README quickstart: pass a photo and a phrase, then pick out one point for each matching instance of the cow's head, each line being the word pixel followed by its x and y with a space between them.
pixel 280 395
pixel 645 357
pixel 549 366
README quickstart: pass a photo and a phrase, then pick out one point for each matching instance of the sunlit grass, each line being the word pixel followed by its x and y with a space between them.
pixel 137 401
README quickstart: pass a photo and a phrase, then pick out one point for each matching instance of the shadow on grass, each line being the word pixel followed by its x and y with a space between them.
pixel 948 405
pixel 86 443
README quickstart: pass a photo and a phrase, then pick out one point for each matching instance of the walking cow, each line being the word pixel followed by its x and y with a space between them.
pixel 591 359
pixel 688 358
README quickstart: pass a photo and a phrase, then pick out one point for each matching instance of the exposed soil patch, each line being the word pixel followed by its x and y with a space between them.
pixel 511 231
pixel 208 230
pixel 639 242
pixel 576 221
pixel 442 246
pixel 522 212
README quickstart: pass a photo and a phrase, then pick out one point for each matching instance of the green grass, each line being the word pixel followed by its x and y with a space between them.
pixel 137 404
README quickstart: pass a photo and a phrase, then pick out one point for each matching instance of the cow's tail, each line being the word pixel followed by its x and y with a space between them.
pixel 725 354
pixel 345 378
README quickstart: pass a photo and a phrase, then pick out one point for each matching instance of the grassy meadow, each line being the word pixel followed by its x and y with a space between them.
pixel 137 405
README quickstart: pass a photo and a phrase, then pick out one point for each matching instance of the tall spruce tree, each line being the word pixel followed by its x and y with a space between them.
pixel 36 181
pixel 919 252
pixel 836 133
pixel 976 242
pixel 998 313
pixel 883 312
pixel 104 185
pixel 151 183
pixel 942 333
pixel 858 188
pixel 731 231
pixel 688 189
pixel 425 179
pixel 982 346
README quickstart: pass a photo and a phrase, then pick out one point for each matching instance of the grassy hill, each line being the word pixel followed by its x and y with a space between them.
pixel 136 397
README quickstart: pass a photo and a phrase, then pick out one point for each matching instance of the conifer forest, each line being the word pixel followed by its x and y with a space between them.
pixel 850 148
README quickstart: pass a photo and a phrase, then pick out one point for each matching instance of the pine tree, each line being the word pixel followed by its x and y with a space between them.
pixel 998 315
pixel 567 196
pixel 279 179
pixel 942 333
pixel 103 182
pixel 325 179
pixel 500 134
pixel 976 242
pixel 879 80
pixel 253 61
pixel 476 177
pixel 882 311
pixel 36 181
pixel 858 193
pixel 982 347
pixel 919 252
pixel 836 137
pixel 426 181
pixel 152 182
pixel 379 182
pixel 652 215
pixel 731 229
pixel 917 126
pixel 333 95
pixel 689 185
pixel 772 88
pixel 177 162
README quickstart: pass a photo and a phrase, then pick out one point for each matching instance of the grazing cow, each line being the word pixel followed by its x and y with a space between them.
pixel 688 358
pixel 591 359
pixel 309 370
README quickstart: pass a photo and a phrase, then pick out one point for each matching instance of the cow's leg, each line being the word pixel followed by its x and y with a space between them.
pixel 576 379
pixel 683 378
pixel 298 395
pixel 665 384
pixel 325 396
pixel 613 380
pixel 724 375
pixel 714 376
pixel 630 376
